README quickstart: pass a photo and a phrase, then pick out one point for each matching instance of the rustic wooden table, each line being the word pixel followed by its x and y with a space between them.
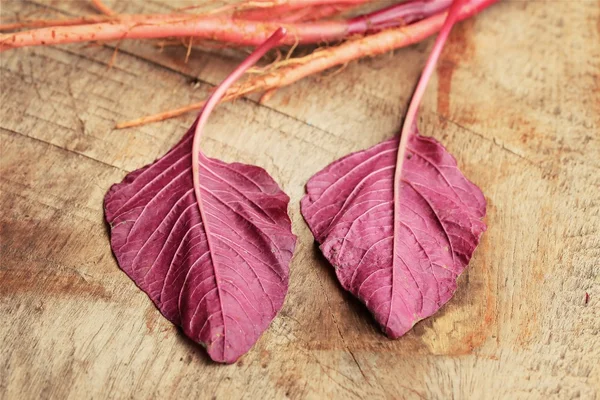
pixel 516 98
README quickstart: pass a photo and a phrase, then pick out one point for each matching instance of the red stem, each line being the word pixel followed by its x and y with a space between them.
pixel 371 45
pixel 286 11
pixel 224 29
pixel 397 15
pixel 213 100
pixel 304 14
pixel 409 126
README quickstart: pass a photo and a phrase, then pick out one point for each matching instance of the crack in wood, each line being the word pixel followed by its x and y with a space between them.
pixel 13 132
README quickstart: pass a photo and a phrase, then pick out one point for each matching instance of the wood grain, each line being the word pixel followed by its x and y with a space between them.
pixel 516 99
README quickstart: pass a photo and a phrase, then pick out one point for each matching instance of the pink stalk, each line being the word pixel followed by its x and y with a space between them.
pixel 295 4
pixel 397 15
pixel 305 14
pixel 314 63
pixel 219 28
pixel 214 99
pixel 250 9
pixel 39 23
pixel 294 11
pixel 222 29
pixel 351 50
pixel 409 126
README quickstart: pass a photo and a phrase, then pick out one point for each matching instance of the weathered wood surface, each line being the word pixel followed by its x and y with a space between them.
pixel 516 99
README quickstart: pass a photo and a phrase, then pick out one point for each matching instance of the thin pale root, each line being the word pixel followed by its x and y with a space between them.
pixel 103 8
pixel 371 45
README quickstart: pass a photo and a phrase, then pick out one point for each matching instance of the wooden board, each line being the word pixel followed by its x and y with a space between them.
pixel 516 98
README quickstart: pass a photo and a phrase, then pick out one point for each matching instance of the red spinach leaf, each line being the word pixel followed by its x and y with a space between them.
pixel 349 207
pixel 399 221
pixel 215 261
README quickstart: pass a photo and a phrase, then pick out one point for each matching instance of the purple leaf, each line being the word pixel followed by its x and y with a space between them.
pixel 349 207
pixel 209 242
pixel 223 289
pixel 398 221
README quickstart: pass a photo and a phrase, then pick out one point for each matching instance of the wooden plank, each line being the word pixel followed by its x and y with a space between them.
pixel 516 99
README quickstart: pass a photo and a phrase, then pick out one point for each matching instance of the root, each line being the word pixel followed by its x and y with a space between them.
pixel 337 71
pixel 266 96
pixel 228 29
pixel 102 7
pixel 189 50
pixel 161 116
pixel 293 70
pixel 266 68
pixel 41 23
